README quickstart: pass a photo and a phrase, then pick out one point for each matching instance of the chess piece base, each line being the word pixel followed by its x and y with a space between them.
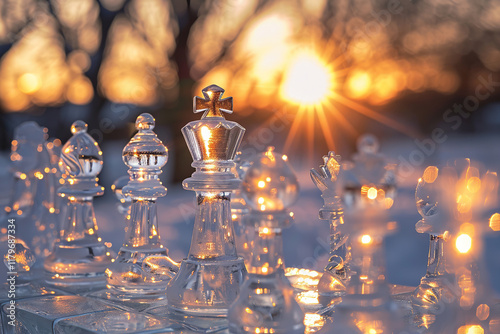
pixel 266 305
pixel 195 290
pixel 77 266
pixel 137 301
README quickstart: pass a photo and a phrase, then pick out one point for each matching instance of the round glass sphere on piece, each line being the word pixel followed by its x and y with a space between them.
pixel 270 184
pixel 81 156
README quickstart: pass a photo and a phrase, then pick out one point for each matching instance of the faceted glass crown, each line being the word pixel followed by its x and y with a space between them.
pixel 270 184
pixel 327 177
pixel 145 150
pixel 213 138
pixel 81 156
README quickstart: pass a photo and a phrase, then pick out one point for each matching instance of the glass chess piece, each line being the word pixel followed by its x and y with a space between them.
pixel 437 292
pixel 209 279
pixel 79 257
pixel 368 192
pixel 142 270
pixel 328 179
pixel 266 302
pixel 33 201
pixel 243 233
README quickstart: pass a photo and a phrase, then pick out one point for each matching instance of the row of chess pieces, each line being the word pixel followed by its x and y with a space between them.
pixel 234 277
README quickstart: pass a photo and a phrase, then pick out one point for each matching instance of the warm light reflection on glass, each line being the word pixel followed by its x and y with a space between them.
pixel 463 243
pixel 366 239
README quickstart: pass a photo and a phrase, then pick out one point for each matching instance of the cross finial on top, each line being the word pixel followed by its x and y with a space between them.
pixel 212 105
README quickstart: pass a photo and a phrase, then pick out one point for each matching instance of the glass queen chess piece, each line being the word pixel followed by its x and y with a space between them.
pixel 79 257
pixel 239 209
pixel 142 270
pixel 266 302
pixel 209 279
pixel 332 283
pixel 32 203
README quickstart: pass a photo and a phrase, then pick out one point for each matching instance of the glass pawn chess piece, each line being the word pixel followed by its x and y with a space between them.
pixel 142 270
pixel 332 283
pixel 266 303
pixel 239 209
pixel 79 257
pixel 33 201
pixel 209 279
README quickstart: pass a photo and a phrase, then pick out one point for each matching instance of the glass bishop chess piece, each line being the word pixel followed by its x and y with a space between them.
pixel 209 279
pixel 266 303
pixel 79 257
pixel 437 293
pixel 142 270
pixel 32 204
pixel 332 283
pixel 239 209
pixel 368 192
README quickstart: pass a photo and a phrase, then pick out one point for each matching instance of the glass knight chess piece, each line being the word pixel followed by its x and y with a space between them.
pixel 368 192
pixel 266 303
pixel 437 293
pixel 142 270
pixel 79 257
pixel 209 279
pixel 33 204
pixel 332 283
pixel 242 232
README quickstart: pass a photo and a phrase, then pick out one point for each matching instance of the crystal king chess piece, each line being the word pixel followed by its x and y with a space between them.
pixel 142 270
pixel 79 257
pixel 33 201
pixel 336 275
pixel 209 279
pixel 266 303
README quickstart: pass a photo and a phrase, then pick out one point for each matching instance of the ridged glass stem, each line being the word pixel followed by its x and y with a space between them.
pixel 79 221
pixel 436 261
pixel 142 226
pixel 213 234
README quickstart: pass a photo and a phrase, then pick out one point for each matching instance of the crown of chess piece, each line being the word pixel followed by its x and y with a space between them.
pixel 266 303
pixel 336 274
pixel 79 257
pixel 368 192
pixel 243 233
pixel 143 268
pixel 33 201
pixel 208 280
